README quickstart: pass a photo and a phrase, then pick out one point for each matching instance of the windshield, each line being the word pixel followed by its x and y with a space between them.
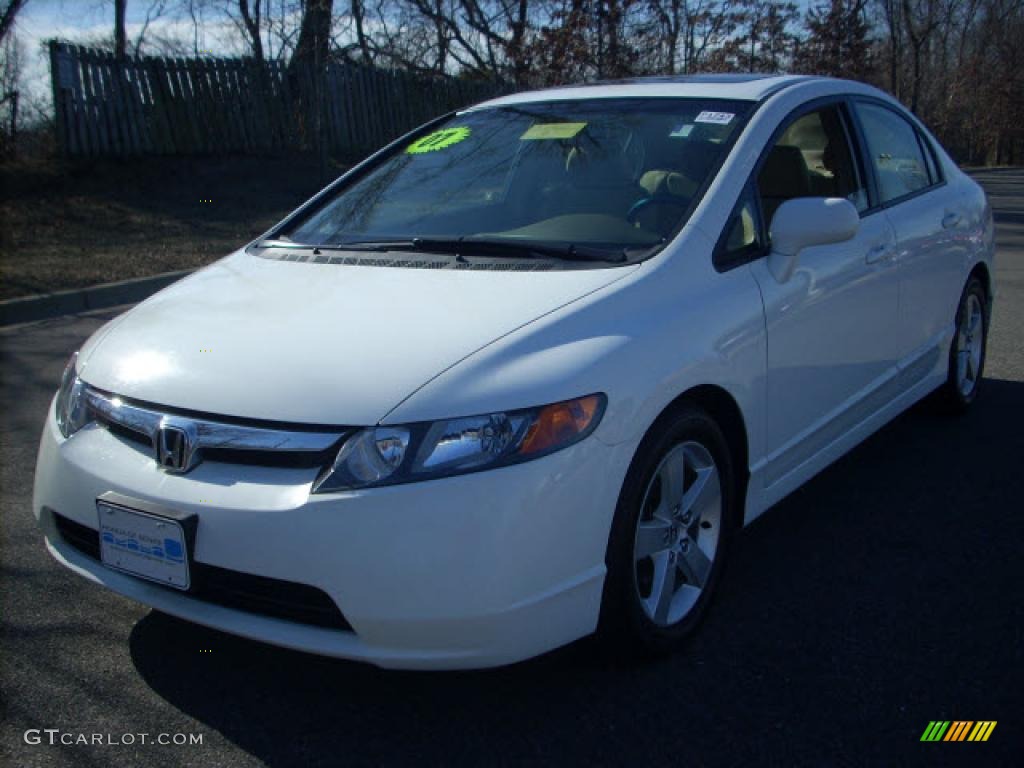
pixel 616 173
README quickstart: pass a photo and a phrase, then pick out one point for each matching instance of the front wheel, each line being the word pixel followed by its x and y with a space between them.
pixel 671 531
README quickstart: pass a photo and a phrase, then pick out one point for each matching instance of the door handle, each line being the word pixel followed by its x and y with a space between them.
pixel 950 220
pixel 879 252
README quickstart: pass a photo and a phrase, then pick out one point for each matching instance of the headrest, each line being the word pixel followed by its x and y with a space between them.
pixel 698 157
pixel 593 168
pixel 661 183
pixel 784 174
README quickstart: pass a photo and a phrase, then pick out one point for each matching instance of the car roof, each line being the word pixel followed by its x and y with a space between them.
pixel 742 87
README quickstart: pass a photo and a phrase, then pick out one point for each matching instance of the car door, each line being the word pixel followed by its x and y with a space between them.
pixel 930 223
pixel 831 327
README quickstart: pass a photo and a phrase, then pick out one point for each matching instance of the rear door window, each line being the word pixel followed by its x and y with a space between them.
pixel 894 151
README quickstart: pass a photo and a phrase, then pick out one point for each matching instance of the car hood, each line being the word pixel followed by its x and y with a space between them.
pixel 316 343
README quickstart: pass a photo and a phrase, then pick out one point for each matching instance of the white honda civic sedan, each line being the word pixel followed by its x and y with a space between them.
pixel 524 374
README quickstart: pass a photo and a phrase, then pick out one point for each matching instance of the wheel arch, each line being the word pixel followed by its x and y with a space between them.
pixel 615 623
pixel 982 272
pixel 721 406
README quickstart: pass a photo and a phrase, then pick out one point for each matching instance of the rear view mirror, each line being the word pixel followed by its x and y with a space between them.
pixel 805 221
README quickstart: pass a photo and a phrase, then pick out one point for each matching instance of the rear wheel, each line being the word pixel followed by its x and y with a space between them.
pixel 967 352
pixel 672 528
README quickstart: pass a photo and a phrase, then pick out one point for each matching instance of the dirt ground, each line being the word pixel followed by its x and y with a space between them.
pixel 70 225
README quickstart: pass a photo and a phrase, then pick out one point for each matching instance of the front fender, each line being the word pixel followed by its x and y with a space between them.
pixel 673 325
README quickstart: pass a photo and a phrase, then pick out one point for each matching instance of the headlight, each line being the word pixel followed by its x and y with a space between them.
pixel 390 455
pixel 72 412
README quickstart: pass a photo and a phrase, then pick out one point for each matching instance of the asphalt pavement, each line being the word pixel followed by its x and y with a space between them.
pixel 885 594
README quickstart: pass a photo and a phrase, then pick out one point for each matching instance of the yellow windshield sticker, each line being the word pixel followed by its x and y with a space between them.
pixel 552 131
pixel 438 140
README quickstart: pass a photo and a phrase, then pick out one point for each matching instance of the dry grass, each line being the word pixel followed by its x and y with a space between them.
pixel 70 225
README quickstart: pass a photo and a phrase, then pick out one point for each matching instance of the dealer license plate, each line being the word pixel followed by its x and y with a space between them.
pixel 144 545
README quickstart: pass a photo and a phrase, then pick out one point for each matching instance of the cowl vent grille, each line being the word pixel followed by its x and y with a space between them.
pixel 406 262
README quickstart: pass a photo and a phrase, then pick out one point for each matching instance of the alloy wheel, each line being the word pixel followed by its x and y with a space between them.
pixel 677 533
pixel 969 341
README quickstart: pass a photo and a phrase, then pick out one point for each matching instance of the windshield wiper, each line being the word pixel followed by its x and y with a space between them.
pixel 502 246
pixel 369 245
pixel 489 246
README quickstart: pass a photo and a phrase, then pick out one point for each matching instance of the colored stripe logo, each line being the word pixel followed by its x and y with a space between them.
pixel 958 730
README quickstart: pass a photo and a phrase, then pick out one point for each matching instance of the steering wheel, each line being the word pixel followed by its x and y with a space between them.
pixel 646 202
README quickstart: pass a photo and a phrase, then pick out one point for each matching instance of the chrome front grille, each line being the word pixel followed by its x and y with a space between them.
pixel 216 439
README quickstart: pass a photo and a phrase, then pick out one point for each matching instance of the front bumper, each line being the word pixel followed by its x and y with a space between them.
pixel 471 571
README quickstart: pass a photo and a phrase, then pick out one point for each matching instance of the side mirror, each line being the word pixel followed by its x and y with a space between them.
pixel 805 221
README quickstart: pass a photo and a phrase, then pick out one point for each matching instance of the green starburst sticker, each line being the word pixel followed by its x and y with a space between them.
pixel 442 139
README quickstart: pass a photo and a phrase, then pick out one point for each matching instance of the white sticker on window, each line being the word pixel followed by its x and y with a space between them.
pixel 718 118
pixel 681 131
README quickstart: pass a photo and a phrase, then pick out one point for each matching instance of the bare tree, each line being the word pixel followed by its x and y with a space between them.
pixel 921 19
pixel 120 37
pixel 314 33
pixel 8 17
pixel 684 31
pixel 836 41
pixel 11 56
pixel 250 13
pixel 762 40
pixel 358 10
pixel 892 13
pixel 156 9
pixel 267 28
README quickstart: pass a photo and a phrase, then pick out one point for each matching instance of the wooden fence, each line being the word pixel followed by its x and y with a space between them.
pixel 158 105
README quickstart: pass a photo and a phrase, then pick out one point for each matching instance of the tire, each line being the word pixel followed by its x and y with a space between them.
pixel 688 542
pixel 967 351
